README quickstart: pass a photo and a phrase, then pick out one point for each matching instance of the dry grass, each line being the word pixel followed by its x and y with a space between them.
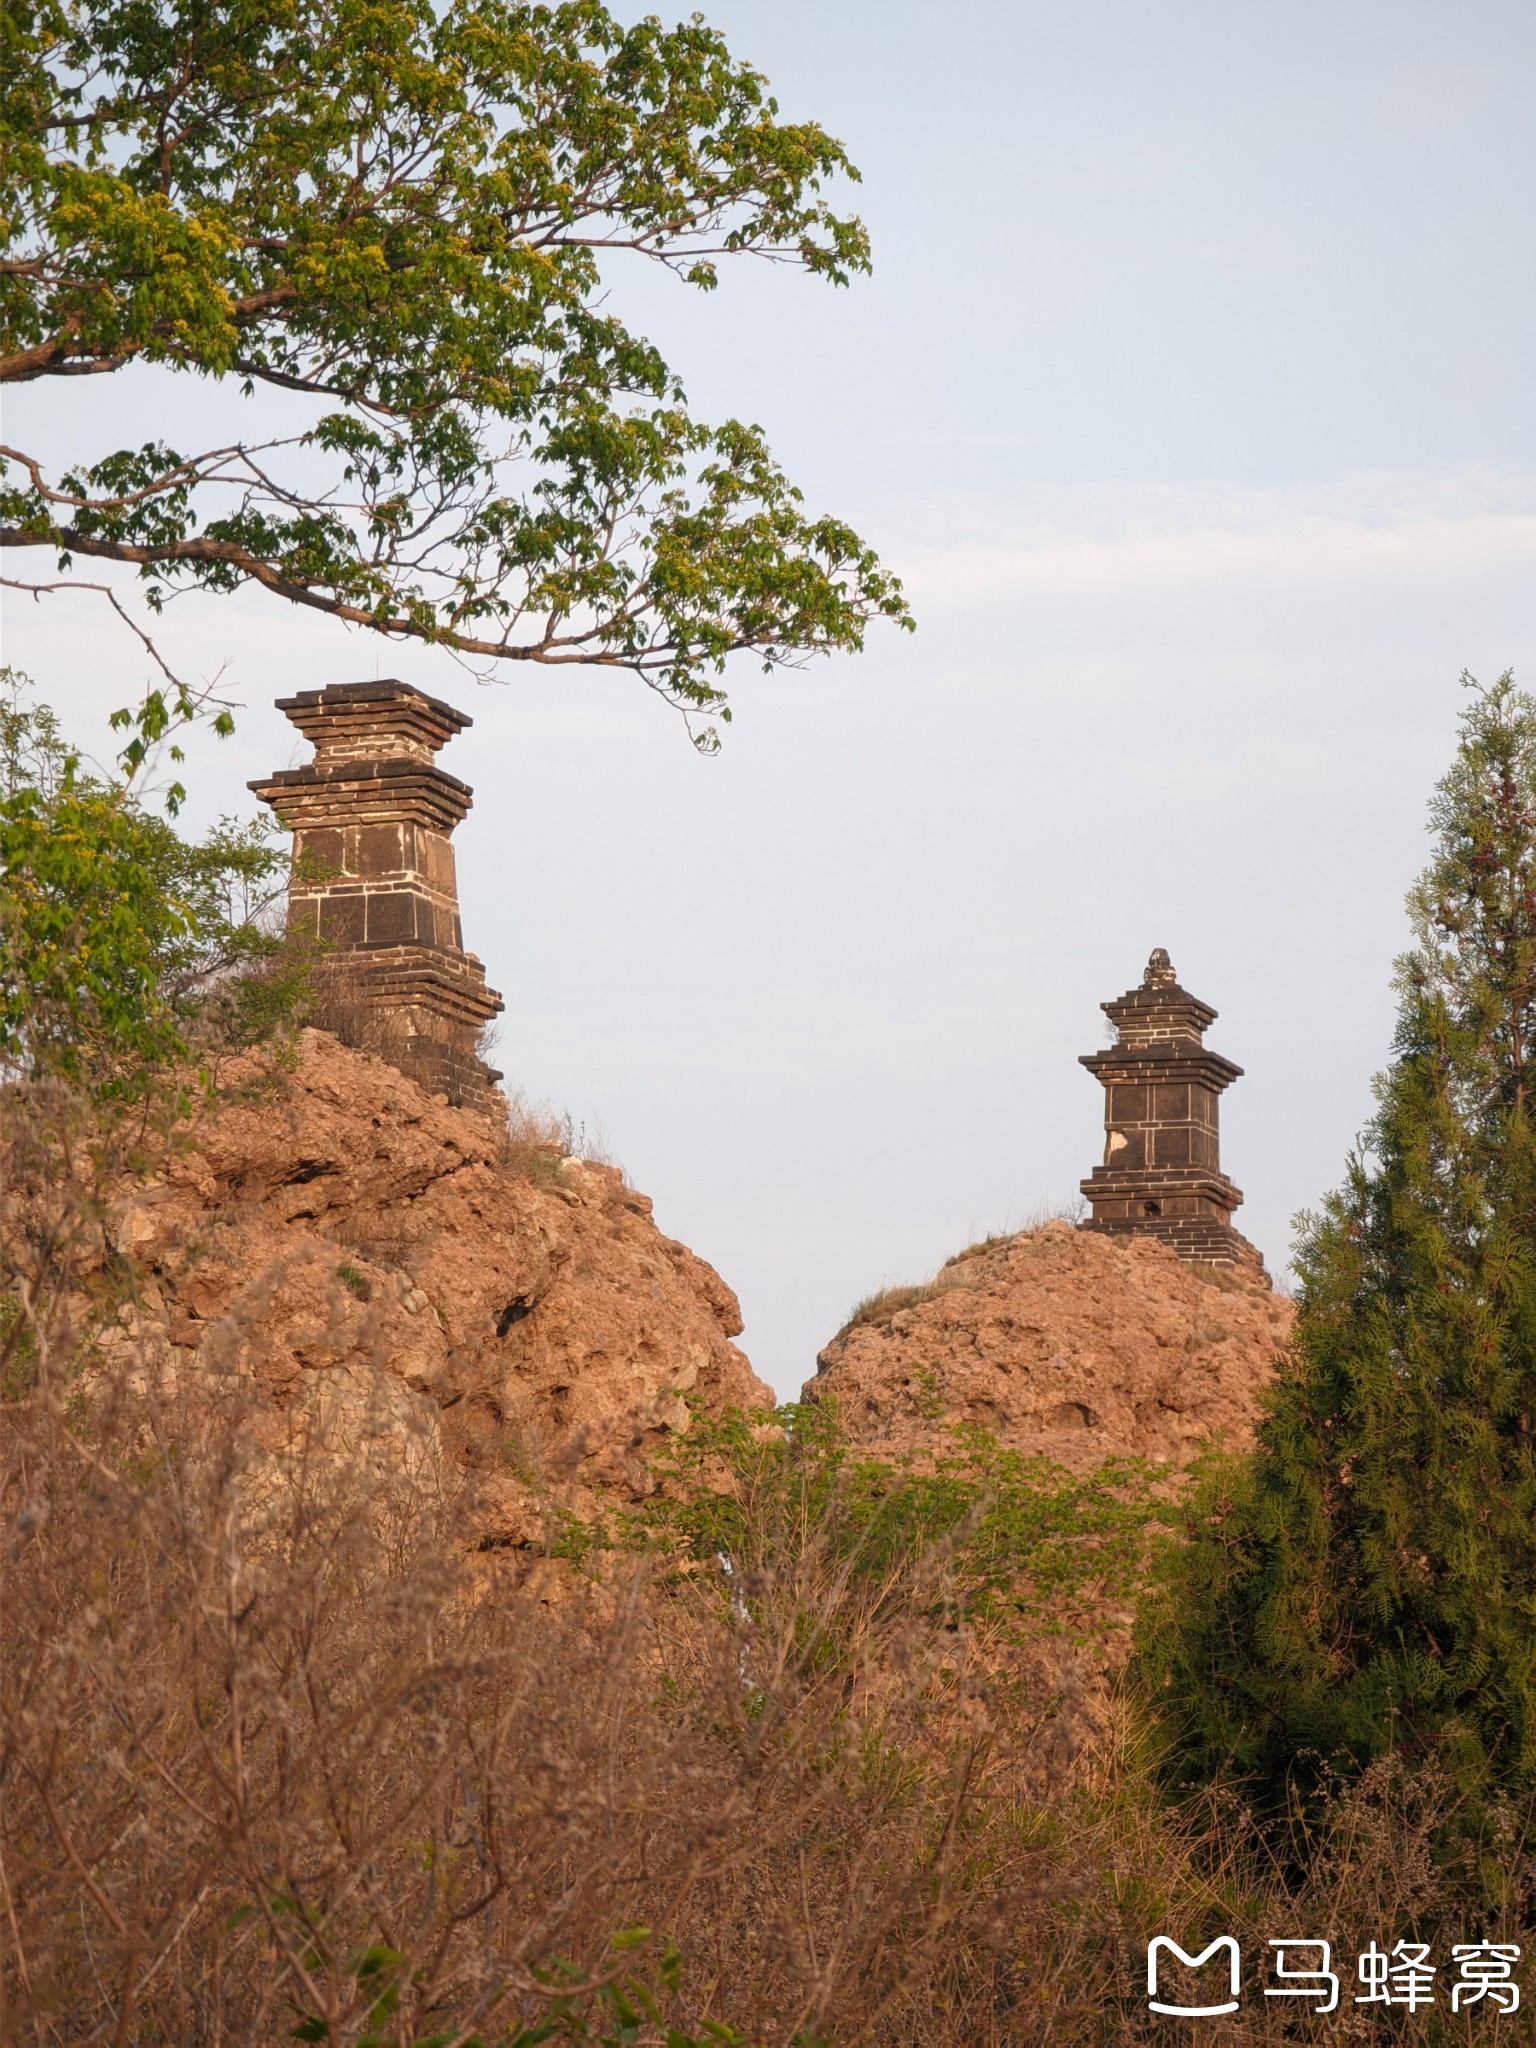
pixel 887 1301
pixel 957 1272
pixel 263 1715
pixel 340 1002
pixel 538 1138
pixel 259 1729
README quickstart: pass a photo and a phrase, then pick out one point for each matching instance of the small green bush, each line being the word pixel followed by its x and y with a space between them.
pixel 120 938
pixel 1019 1541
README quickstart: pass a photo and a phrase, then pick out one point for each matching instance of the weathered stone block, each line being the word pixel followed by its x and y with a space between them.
pixel 1173 1146
pixel 436 862
pixel 379 850
pixel 343 917
pixel 327 853
pixel 391 917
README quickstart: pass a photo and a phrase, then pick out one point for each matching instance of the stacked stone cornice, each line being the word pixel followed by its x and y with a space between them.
pixel 353 722
pixel 1171 1060
pixel 347 793
pixel 1159 1013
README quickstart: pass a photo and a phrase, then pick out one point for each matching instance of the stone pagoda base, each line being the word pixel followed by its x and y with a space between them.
pixel 423 1013
pixel 1205 1239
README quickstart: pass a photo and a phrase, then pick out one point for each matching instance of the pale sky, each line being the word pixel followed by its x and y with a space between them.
pixel 1192 396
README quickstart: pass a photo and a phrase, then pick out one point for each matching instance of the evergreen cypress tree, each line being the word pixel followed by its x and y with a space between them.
pixel 1367 1580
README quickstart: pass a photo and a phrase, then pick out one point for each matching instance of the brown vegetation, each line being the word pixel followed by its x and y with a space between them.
pixel 286 1751
pixel 259 1724
pixel 279 1752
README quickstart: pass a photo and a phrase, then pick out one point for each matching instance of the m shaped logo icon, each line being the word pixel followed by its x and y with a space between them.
pixel 1160 1944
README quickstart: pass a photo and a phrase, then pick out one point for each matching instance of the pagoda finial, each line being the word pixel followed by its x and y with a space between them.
pixel 1159 972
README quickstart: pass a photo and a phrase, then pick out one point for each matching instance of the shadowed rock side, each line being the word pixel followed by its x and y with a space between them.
pixel 334 1234
pixel 1066 1345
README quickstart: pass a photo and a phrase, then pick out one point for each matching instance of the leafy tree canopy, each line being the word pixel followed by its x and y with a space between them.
pixel 399 215
pixel 1368 1582
pixel 118 937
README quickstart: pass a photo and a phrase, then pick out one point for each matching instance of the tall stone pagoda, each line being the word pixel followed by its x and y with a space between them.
pixel 1161 1175
pixel 373 879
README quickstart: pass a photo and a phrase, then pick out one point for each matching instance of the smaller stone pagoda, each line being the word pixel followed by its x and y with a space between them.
pixel 373 880
pixel 1161 1175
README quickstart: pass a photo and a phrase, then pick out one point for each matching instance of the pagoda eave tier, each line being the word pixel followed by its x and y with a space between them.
pixel 1106 1184
pixel 1161 1007
pixel 366 792
pixel 1164 1061
pixel 450 984
pixel 1205 1240
pixel 340 717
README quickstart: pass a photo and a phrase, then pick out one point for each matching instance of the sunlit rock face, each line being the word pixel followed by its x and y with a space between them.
pixel 348 1245
pixel 1065 1343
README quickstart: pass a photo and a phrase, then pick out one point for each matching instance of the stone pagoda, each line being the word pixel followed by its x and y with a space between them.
pixel 373 880
pixel 1162 1174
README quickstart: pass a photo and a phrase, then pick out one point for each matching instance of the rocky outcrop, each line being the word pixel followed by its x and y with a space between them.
pixel 327 1226
pixel 1064 1344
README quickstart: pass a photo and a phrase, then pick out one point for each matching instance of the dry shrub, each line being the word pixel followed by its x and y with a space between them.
pixel 266 1718
pixel 284 1755
pixel 957 1270
pixel 534 1142
pixel 343 996
pixel 886 1302
pixel 538 1138
pixel 342 1003
pixel 279 1750
pixel 956 1273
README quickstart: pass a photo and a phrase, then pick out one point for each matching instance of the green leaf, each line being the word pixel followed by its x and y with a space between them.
pixel 1364 1586
pixel 408 224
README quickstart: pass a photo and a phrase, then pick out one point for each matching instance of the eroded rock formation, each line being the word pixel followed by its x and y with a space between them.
pixel 1065 1344
pixel 335 1234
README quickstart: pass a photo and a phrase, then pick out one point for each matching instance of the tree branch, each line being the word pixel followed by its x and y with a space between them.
pixel 573 650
